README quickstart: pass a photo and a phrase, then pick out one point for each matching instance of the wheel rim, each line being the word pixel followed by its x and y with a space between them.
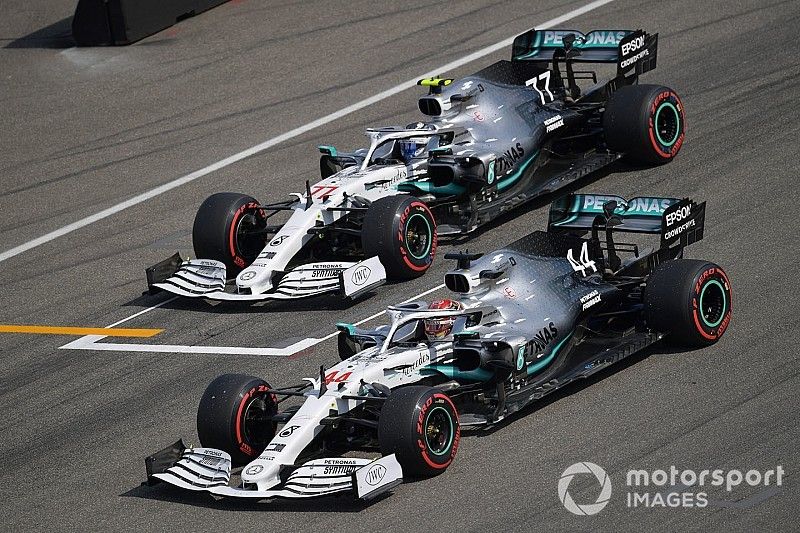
pixel 713 303
pixel 439 431
pixel 418 236
pixel 249 240
pixel 668 124
pixel 257 423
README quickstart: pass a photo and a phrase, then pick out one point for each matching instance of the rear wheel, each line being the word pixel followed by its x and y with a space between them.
pixel 420 426
pixel 235 415
pixel 689 300
pixel 229 227
pixel 401 231
pixel 646 122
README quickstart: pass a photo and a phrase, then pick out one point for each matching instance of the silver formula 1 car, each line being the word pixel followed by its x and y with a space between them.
pixel 493 140
pixel 523 321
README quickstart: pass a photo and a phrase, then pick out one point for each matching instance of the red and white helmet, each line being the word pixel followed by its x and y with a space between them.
pixel 438 328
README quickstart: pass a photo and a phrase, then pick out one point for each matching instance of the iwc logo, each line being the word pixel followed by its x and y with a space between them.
pixel 361 275
pixel 375 474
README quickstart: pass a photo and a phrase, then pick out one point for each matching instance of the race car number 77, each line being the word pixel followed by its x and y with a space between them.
pixel 322 190
pixel 534 82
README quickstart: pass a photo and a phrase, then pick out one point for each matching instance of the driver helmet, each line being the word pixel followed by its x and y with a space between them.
pixel 410 148
pixel 439 328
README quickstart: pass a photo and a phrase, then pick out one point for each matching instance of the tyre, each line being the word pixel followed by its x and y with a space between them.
pixel 235 415
pixel 401 231
pixel 646 122
pixel 420 426
pixel 689 300
pixel 226 228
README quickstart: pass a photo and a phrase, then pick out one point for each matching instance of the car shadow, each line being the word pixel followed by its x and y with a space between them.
pixel 658 349
pixel 55 36
pixel 544 200
pixel 342 503
pixel 325 302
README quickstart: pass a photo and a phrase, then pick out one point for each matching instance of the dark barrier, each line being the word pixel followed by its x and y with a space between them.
pixel 116 22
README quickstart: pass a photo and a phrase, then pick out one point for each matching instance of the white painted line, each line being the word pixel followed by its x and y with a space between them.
pixel 140 313
pixel 83 343
pixel 88 340
pixel 152 193
pixel 91 342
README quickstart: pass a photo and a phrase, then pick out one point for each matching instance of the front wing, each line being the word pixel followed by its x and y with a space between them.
pixel 209 470
pixel 206 278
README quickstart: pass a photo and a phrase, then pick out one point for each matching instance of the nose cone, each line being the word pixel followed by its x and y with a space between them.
pixel 262 473
pixel 254 279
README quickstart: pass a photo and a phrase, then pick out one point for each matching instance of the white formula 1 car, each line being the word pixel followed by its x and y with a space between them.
pixel 345 234
pixel 371 401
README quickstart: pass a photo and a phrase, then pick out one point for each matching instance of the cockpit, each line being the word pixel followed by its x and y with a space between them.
pixel 395 145
pixel 403 151
pixel 416 323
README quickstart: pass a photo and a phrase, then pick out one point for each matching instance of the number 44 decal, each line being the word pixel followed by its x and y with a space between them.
pixel 335 377
pixel 585 264
pixel 534 82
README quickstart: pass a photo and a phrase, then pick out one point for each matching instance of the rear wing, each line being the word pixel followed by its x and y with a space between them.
pixel 630 50
pixel 674 219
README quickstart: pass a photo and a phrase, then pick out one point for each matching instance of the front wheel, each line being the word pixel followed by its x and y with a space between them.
pixel 401 231
pixel 420 426
pixel 235 416
pixel 229 227
pixel 689 300
pixel 646 122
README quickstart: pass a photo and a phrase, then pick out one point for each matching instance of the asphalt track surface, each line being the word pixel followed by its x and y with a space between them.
pixel 85 129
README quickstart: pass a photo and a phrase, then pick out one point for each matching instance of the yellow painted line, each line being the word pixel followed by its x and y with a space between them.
pixel 67 330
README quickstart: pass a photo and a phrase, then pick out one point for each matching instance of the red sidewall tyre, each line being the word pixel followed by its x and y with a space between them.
pixel 235 415
pixel 420 426
pixel 690 301
pixel 401 231
pixel 646 122
pixel 217 230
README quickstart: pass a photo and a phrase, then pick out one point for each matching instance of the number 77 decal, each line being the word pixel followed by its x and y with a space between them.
pixel 534 82
pixel 318 191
